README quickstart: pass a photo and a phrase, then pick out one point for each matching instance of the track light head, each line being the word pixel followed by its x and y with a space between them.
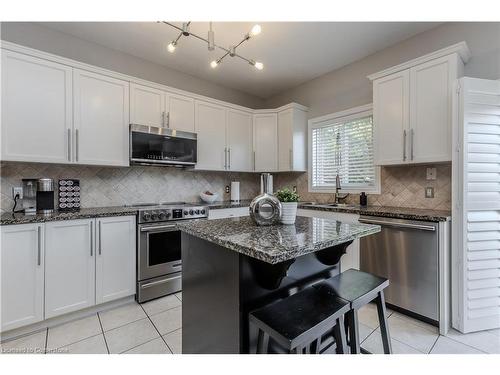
pixel 171 47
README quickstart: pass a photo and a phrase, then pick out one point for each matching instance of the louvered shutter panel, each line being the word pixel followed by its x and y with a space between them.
pixel 476 216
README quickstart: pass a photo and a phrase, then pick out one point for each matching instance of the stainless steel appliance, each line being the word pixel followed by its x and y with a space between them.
pixel 45 196
pixel 151 145
pixel 159 263
pixel 405 252
pixel 29 195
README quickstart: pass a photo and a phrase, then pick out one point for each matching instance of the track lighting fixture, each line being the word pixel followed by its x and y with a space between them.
pixel 231 51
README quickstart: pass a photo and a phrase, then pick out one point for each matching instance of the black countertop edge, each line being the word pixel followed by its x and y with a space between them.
pixel 385 211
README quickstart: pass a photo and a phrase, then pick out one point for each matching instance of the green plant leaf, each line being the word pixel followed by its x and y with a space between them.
pixel 287 195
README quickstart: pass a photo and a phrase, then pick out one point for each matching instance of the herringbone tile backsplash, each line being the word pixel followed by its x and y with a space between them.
pixel 402 186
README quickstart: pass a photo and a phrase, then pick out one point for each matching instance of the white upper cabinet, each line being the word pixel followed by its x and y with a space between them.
pixel 115 258
pixel 211 130
pixel 412 112
pixel 22 275
pixel 147 106
pixel 36 109
pixel 69 266
pixel 101 118
pixel 265 142
pixel 179 112
pixel 391 118
pixel 239 141
pixel 292 139
pixel 431 90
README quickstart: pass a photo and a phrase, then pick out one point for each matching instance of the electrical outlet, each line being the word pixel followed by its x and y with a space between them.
pixel 431 174
pixel 429 192
pixel 227 188
pixel 294 189
pixel 17 190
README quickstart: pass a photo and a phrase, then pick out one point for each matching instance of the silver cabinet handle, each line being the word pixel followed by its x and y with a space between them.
pixel 77 146
pixel 69 144
pixel 168 119
pixel 100 235
pixel 399 225
pixel 39 233
pixel 163 119
pixel 254 166
pixel 91 239
pixel 228 158
pixel 412 133
pixel 404 145
pixel 225 157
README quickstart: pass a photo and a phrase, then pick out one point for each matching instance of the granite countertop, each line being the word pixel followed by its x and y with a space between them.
pixel 84 213
pixel 384 211
pixel 276 243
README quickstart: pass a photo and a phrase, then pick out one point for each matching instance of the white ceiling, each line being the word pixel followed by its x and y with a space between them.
pixel 292 52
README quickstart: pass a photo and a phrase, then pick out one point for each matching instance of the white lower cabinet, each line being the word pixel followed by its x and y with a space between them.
pixel 22 275
pixel 115 258
pixel 351 258
pixel 69 266
pixel 50 269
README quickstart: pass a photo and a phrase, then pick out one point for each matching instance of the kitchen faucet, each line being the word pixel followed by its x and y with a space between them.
pixel 338 197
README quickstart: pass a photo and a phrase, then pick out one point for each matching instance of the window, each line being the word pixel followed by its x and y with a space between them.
pixel 343 143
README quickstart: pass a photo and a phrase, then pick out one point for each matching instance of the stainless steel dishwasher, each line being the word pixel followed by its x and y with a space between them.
pixel 405 252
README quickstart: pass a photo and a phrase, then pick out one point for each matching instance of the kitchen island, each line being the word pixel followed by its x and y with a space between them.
pixel 231 267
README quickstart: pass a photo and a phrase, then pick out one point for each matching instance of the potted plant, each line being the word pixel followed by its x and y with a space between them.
pixel 288 199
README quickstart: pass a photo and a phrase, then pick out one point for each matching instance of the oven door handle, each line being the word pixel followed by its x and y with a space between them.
pixel 154 283
pixel 161 227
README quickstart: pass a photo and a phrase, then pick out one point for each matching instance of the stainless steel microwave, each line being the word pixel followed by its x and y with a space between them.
pixel 151 145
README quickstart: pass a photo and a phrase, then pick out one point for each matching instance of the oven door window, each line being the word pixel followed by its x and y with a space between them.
pixel 164 247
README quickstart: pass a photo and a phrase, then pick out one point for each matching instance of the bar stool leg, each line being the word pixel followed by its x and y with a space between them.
pixel 352 322
pixel 339 335
pixel 315 346
pixel 382 318
pixel 262 342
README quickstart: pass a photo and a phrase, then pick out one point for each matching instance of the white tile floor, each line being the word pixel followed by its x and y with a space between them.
pixel 155 328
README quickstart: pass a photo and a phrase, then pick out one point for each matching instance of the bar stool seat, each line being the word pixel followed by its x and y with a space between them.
pixel 297 322
pixel 359 288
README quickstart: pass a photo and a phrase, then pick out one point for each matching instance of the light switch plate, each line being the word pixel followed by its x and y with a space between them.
pixel 431 174
pixel 429 192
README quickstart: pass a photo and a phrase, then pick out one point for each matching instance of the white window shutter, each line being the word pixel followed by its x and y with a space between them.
pixel 476 212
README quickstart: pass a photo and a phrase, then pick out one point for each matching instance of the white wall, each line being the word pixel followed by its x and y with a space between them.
pixel 45 39
pixel 348 86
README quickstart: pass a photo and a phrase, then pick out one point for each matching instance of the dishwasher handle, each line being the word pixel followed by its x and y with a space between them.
pixel 429 228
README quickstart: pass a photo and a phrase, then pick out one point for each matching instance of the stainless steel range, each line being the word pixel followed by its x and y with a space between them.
pixel 159 263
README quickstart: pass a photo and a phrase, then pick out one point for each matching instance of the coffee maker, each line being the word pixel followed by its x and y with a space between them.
pixel 45 196
pixel 29 195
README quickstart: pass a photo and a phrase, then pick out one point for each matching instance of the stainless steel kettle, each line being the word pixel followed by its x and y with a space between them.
pixel 265 209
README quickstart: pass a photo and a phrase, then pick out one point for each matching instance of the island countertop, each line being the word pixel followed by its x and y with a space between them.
pixel 276 243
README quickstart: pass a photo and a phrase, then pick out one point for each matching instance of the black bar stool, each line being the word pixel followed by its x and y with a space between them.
pixel 297 322
pixel 359 288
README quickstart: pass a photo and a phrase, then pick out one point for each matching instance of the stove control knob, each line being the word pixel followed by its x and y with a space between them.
pixel 197 212
pixel 154 216
pixel 167 214
pixel 146 216
pixel 186 213
pixel 191 212
pixel 162 215
pixel 203 212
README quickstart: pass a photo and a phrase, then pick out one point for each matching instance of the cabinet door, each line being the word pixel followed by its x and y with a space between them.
pixel 211 130
pixel 180 112
pixel 285 140
pixel 431 86
pixel 147 105
pixel 101 119
pixel 36 109
pixel 69 266
pixel 22 275
pixel 115 258
pixel 265 142
pixel 239 141
pixel 391 118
